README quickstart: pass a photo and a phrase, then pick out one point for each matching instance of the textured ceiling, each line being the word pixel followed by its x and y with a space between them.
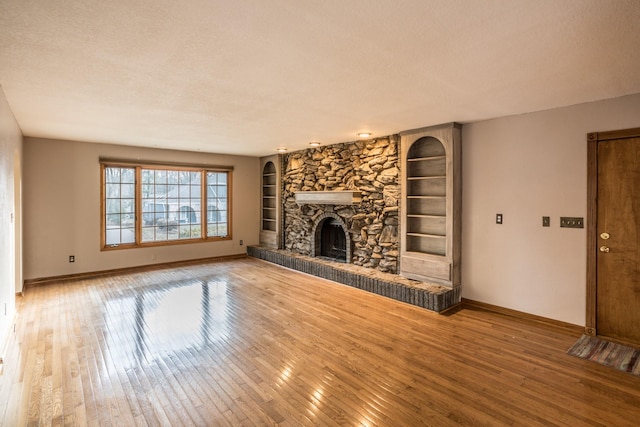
pixel 246 77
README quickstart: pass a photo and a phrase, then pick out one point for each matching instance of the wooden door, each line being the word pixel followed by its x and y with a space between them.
pixel 617 239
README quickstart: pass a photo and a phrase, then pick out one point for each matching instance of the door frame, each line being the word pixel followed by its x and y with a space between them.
pixel 593 139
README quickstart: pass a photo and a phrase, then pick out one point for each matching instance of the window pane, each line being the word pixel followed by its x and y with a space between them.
pixel 128 176
pixel 160 190
pixel 113 206
pixel 195 191
pixel 221 191
pixel 128 190
pixel 147 176
pixel 185 232
pixel 128 235
pixel 173 190
pixel 196 178
pixel 183 191
pixel 148 234
pixel 112 237
pixel 128 206
pixel 113 220
pixel 112 190
pixel 184 177
pixel 217 225
pixel 148 190
pixel 169 209
pixel 119 205
pixel 112 175
pixel 172 177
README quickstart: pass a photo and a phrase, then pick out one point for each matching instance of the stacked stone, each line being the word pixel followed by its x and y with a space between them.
pixel 370 167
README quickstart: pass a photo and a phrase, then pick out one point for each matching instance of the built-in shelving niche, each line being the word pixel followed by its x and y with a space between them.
pixel 430 212
pixel 270 202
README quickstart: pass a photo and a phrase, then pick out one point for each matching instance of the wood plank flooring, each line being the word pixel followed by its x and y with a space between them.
pixel 248 343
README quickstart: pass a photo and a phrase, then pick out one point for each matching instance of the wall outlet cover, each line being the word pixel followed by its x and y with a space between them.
pixel 571 222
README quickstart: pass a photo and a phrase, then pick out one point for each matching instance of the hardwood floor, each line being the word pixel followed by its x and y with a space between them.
pixel 245 342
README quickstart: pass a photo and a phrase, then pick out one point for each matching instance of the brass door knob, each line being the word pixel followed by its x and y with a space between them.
pixel 604 249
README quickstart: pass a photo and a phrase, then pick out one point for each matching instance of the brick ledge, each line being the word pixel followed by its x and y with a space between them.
pixel 426 295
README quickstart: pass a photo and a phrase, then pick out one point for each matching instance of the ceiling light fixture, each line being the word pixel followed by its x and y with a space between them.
pixel 364 134
pixel 282 150
pixel 314 144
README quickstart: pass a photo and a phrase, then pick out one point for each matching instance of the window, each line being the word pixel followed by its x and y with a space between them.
pixel 151 205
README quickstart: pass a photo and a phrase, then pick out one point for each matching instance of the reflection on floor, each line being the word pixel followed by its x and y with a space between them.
pixel 189 314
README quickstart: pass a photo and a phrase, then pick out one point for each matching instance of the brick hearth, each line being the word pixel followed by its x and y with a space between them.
pixel 427 295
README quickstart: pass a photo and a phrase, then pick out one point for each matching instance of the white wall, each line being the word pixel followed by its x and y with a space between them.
pixel 62 208
pixel 526 167
pixel 10 217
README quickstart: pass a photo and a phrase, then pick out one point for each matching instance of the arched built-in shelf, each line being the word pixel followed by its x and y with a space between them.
pixel 430 212
pixel 270 202
pixel 269 197
pixel 426 197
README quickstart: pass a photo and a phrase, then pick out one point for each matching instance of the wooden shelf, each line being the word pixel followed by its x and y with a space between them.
pixel 422 159
pixel 426 235
pixel 433 245
pixel 422 178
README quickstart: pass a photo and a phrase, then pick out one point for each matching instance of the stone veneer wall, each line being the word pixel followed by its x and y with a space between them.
pixel 370 167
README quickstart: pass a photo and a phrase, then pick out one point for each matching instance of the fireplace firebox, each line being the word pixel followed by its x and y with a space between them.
pixel 331 239
pixel 333 242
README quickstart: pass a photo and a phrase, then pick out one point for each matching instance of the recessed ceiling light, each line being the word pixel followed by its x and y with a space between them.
pixel 314 144
pixel 364 134
pixel 282 150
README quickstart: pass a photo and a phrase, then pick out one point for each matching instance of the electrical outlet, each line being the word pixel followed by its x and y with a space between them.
pixel 498 218
pixel 546 221
pixel 241 242
pixel 72 258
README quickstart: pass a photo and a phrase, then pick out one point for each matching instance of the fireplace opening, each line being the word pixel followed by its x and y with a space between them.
pixel 333 241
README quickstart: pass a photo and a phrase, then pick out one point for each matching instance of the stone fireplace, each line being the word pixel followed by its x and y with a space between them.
pixel 350 186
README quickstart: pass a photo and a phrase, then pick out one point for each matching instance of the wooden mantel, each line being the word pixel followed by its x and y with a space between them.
pixel 328 197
